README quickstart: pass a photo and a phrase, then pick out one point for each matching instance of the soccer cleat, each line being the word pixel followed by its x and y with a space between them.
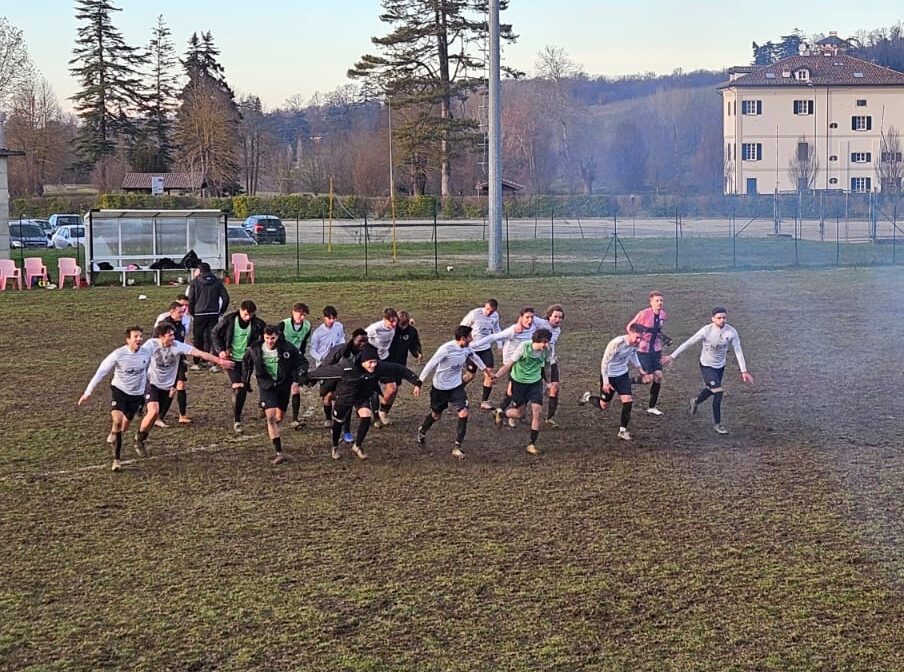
pixel 348 437
pixel 184 420
pixel 111 438
pixel 140 447
pixel 194 367
pixel 215 369
pixel 585 397
pixel 532 449
pixel 513 422
pixel 552 424
pixel 159 423
pixel 384 418
pixel 486 406
pixel 693 406
pixel 498 415
pixel 421 437
pixel 720 429
pixel 654 411
pixel 360 453
pixel 237 427
pixel 298 424
pixel 279 459
pixel 624 434
pixel 327 423
pixel 457 452
pixel 334 452
pixel 117 465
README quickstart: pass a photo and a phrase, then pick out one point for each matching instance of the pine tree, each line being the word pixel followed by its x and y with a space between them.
pixel 108 71
pixel 154 150
pixel 428 62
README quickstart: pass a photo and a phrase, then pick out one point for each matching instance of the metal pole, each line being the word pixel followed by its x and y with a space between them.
pixel 894 233
pixel 494 178
pixel 297 252
pixel 508 252
pixel 435 243
pixel 615 237
pixel 392 186
pixel 676 239
pixel 365 244
pixel 837 242
pixel 552 240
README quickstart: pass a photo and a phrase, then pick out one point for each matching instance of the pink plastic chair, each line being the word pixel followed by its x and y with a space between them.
pixel 241 264
pixel 69 269
pixel 9 271
pixel 35 268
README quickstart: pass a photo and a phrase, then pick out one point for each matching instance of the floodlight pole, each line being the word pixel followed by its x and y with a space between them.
pixel 494 176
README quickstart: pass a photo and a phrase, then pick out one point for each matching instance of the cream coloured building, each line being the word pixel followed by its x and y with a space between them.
pixel 813 122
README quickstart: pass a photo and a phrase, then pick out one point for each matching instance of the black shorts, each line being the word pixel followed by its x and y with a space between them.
pixel 650 361
pixel 328 386
pixel 154 394
pixel 235 373
pixel 621 384
pixel 553 373
pixel 182 371
pixel 486 356
pixel 275 397
pixel 342 411
pixel 440 400
pixel 712 377
pixel 127 404
pixel 523 393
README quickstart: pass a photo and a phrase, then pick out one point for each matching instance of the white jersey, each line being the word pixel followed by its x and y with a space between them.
pixel 543 323
pixel 325 339
pixel 512 340
pixel 449 361
pixel 715 346
pixel 380 336
pixel 186 321
pixel 130 371
pixel 482 326
pixel 616 358
pixel 164 362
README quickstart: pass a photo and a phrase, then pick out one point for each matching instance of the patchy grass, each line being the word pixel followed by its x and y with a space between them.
pixel 777 547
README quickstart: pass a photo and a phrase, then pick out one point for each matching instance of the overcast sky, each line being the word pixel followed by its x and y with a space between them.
pixel 276 49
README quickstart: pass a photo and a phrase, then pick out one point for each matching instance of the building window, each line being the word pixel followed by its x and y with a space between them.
pixel 803 107
pixel 751 107
pixel 861 102
pixel 891 157
pixel 752 151
pixel 803 151
pixel 861 123
pixel 833 180
pixel 861 157
pixel 861 184
pixel 802 75
pixel 833 125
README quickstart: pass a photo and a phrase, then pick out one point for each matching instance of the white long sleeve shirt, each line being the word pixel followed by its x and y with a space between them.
pixel 617 357
pixel 164 362
pixel 543 323
pixel 449 361
pixel 715 346
pixel 380 336
pixel 481 327
pixel 186 322
pixel 325 339
pixel 130 371
pixel 510 338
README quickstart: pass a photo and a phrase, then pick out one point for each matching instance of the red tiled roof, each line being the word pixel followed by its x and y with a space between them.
pixel 186 181
pixel 836 70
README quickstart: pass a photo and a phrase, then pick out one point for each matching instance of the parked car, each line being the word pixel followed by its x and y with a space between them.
pixel 68 236
pixel 45 225
pixel 266 229
pixel 236 235
pixel 56 221
pixel 26 234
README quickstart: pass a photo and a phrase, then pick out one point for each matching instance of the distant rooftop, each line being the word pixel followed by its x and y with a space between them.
pixel 820 70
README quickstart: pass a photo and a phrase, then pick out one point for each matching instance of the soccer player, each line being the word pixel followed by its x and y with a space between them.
pixel 277 364
pixel 620 352
pixel 448 387
pixel 167 354
pixel 484 321
pixel 326 337
pixel 178 317
pixel 297 330
pixel 526 366
pixel 380 335
pixel 343 353
pixel 231 337
pixel 358 383
pixel 649 351
pixel 555 314
pixel 716 338
pixel 513 338
pixel 207 301
pixel 129 364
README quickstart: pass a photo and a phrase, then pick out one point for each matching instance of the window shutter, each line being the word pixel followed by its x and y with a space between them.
pixel 759 151
pixel 869 123
pixel 759 107
pixel 853 123
pixel 869 182
pixel 809 107
pixel 794 106
pixel 869 157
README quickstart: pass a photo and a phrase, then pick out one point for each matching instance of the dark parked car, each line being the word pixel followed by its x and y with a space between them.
pixel 27 234
pixel 266 229
pixel 236 235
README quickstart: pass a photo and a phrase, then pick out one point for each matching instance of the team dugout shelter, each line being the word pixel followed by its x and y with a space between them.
pixel 133 241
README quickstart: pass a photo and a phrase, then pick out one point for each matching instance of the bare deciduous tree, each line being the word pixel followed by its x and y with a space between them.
pixel 16 68
pixel 890 166
pixel 803 166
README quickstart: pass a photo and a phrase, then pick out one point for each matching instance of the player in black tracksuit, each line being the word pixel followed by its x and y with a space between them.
pixel 358 383
pixel 276 364
pixel 405 341
pixel 207 301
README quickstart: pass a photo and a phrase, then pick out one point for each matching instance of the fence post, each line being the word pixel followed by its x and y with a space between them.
pixel 297 240
pixel 615 237
pixel 894 234
pixel 552 240
pixel 732 226
pixel 676 239
pixel 365 244
pixel 837 239
pixel 508 257
pixel 435 242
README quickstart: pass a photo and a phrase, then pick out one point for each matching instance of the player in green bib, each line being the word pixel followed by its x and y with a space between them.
pixel 297 330
pixel 233 335
pixel 526 369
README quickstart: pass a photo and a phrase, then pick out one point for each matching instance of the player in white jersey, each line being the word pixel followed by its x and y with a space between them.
pixel 380 335
pixel 129 365
pixel 620 352
pixel 166 360
pixel 448 389
pixel 555 314
pixel 178 316
pixel 513 338
pixel 716 338
pixel 483 321
pixel 327 336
